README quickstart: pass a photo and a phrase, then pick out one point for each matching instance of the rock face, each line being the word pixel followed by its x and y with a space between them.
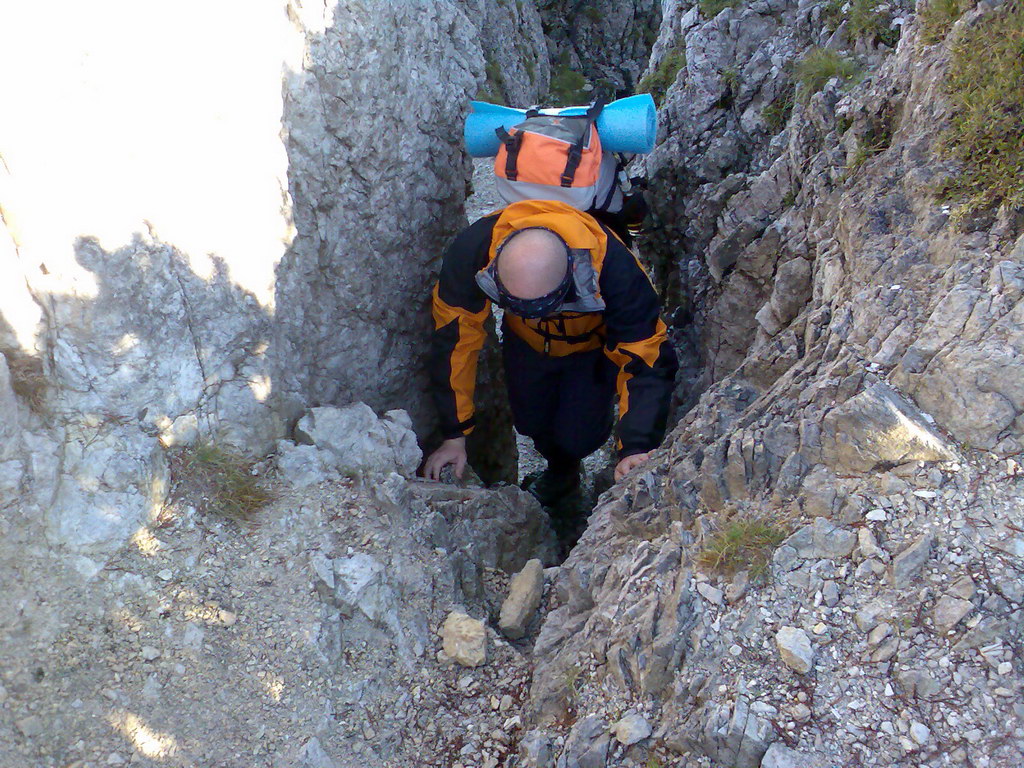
pixel 605 42
pixel 830 295
pixel 198 276
pixel 515 51
pixel 850 458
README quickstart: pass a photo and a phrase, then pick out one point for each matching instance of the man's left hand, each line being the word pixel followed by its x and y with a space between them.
pixel 630 462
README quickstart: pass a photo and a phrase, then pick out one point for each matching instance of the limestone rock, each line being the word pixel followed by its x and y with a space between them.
pixel 795 649
pixel 314 756
pixel 878 427
pixel 303 465
pixel 360 442
pixel 949 611
pixel 464 639
pixel 587 744
pixel 908 563
pixel 781 756
pixel 523 600
pixel 821 539
pixel 742 740
pixel 535 750
pixel 631 729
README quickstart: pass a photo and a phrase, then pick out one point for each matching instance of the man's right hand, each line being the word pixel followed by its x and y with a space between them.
pixel 451 452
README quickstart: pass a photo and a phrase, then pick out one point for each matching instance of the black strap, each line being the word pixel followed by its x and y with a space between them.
pixel 512 142
pixel 576 338
pixel 619 165
pixel 576 150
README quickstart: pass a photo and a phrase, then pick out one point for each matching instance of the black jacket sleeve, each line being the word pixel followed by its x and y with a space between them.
pixel 459 309
pixel 637 342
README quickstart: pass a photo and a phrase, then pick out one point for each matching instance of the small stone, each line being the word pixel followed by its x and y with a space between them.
pixel 876 515
pixel 974 735
pixel 149 653
pixel 962 588
pixel 30 726
pixel 919 732
pixel 886 650
pixel 523 599
pixel 165 575
pixel 917 682
pixel 781 756
pixel 711 594
pixel 1005 668
pixel 737 589
pixel 505 704
pixel 795 649
pixel 867 543
pixel 464 639
pixel 227 618
pixel 878 634
pixel 949 611
pixel 115 759
pixel 800 712
pixel 868 617
pixel 830 593
pixel 908 563
pixel 631 729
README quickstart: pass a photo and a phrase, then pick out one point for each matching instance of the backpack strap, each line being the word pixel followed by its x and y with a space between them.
pixel 576 150
pixel 620 164
pixel 512 142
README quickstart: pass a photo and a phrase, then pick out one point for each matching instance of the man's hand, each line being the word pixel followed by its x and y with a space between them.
pixel 630 462
pixel 451 452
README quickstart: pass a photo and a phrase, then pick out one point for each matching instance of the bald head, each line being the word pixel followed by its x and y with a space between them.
pixel 532 263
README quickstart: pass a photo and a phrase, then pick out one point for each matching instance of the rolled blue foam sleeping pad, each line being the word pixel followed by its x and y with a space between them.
pixel 626 125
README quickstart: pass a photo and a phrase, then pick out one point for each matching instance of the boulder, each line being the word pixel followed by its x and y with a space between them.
pixel 464 639
pixel 795 649
pixel 523 599
pixel 879 428
pixel 359 442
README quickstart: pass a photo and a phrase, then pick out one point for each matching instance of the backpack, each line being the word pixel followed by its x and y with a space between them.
pixel 560 157
pixel 555 157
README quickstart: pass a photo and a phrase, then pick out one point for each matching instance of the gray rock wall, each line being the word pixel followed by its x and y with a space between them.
pixel 606 42
pixel 207 233
pixel 377 183
pixel 860 359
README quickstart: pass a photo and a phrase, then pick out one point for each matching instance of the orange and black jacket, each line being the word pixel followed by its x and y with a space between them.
pixel 629 327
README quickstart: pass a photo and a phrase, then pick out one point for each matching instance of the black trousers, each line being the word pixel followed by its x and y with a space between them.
pixel 564 404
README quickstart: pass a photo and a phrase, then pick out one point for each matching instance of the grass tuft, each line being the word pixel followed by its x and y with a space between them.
pixel 743 543
pixel 985 84
pixel 776 114
pixel 217 479
pixel 866 20
pixel 819 66
pixel 711 8
pixel 938 17
pixel 657 82
pixel 567 87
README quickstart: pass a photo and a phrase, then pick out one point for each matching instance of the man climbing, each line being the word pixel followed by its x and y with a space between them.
pixel 580 321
